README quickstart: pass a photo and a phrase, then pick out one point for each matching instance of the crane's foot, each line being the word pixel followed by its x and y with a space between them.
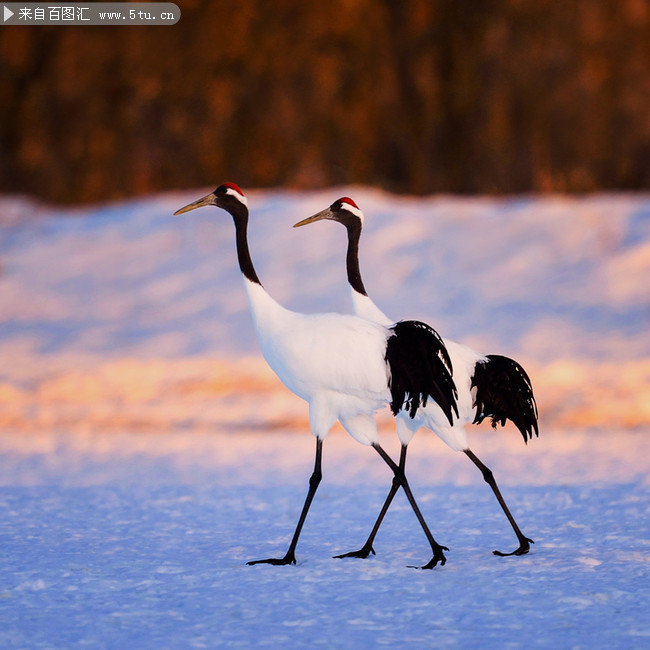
pixel 438 556
pixel 363 552
pixel 289 558
pixel 524 547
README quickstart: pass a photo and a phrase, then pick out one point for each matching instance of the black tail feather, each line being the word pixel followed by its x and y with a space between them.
pixel 504 392
pixel 420 368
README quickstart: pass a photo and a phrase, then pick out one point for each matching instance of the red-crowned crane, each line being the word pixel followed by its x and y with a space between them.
pixel 344 366
pixel 488 385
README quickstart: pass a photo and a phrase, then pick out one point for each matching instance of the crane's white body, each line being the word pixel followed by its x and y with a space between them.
pixel 431 416
pixel 341 365
pixel 485 386
pixel 335 362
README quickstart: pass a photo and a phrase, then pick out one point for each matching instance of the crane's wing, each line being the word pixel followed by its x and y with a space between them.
pixel 504 392
pixel 420 368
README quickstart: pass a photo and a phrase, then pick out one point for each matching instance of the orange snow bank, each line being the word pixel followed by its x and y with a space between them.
pixel 243 394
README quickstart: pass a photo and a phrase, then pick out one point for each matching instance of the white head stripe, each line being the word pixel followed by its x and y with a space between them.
pixel 237 195
pixel 355 211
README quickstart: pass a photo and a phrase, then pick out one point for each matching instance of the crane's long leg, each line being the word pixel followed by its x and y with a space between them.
pixel 367 548
pixel 438 555
pixel 524 542
pixel 315 479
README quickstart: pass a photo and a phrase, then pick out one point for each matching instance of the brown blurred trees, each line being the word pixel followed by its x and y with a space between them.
pixel 416 96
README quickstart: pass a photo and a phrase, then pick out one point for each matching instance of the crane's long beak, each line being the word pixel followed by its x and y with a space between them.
pixel 323 214
pixel 208 199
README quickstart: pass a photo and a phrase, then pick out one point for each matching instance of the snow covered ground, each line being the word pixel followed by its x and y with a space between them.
pixel 146 453
pixel 136 540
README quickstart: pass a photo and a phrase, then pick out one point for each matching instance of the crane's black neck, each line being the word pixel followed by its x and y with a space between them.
pixel 239 214
pixel 353 227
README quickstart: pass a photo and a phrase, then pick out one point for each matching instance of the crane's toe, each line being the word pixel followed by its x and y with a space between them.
pixel 524 547
pixel 287 559
pixel 363 552
pixel 438 557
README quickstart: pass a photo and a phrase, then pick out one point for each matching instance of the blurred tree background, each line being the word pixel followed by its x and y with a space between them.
pixel 417 96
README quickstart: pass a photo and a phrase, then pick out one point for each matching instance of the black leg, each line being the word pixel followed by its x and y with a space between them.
pixel 438 555
pixel 367 548
pixel 524 542
pixel 290 557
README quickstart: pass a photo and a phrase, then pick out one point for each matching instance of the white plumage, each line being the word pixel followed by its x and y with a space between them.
pixel 505 390
pixel 339 364
pixel 333 361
